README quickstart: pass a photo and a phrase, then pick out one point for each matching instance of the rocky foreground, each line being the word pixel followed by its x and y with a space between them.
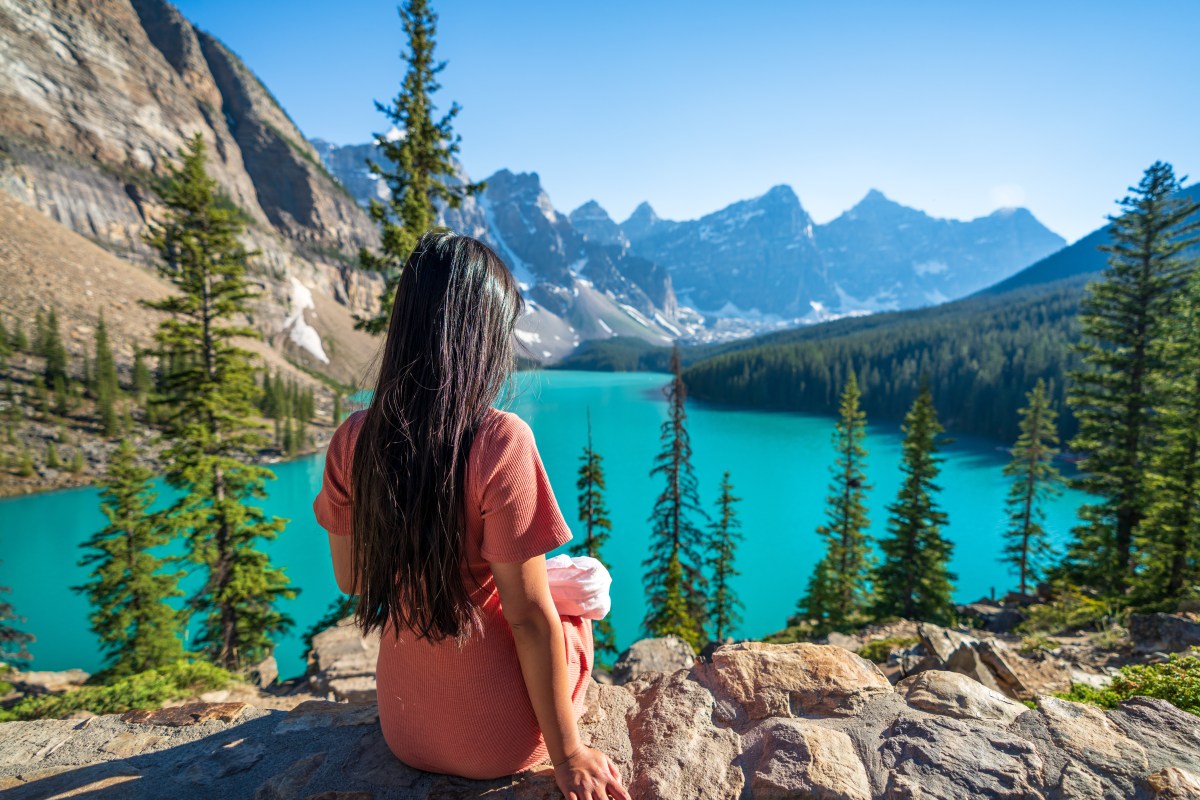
pixel 754 721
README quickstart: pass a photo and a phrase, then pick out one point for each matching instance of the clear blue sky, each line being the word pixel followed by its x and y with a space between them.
pixel 955 108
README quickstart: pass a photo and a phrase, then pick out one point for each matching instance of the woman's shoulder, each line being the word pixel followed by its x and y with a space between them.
pixel 501 428
pixel 499 436
pixel 342 441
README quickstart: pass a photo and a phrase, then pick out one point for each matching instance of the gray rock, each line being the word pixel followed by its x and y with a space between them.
pixel 803 759
pixel 47 682
pixel 1166 633
pixel 761 721
pixel 939 642
pixel 953 695
pixel 647 656
pixel 951 759
pixel 342 662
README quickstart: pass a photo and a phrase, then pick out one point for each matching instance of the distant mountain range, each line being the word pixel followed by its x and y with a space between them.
pixel 981 353
pixel 756 265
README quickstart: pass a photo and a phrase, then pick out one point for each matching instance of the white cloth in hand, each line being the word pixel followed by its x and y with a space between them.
pixel 579 586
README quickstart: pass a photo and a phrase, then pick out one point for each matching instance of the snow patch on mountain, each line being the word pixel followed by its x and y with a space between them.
pixel 300 332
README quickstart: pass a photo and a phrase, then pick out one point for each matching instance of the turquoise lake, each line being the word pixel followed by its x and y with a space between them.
pixel 779 464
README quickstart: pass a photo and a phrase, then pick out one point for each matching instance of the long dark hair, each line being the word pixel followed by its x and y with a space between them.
pixel 448 353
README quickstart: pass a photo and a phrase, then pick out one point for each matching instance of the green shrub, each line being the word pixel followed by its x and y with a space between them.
pixel 878 650
pixel 1036 643
pixel 149 689
pixel 1070 610
pixel 5 686
pixel 1113 637
pixel 1176 680
pixel 798 632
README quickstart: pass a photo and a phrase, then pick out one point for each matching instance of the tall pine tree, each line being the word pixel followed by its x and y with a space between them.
pixel 839 591
pixel 418 164
pixel 212 393
pixel 593 513
pixel 674 580
pixel 55 353
pixel 725 532
pixel 14 642
pixel 127 588
pixel 914 580
pixel 105 384
pixel 1035 479
pixel 1123 319
pixel 1169 538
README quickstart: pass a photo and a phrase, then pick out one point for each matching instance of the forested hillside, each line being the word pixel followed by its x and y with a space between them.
pixel 980 356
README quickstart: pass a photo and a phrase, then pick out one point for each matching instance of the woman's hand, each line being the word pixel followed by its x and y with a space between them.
pixel 589 775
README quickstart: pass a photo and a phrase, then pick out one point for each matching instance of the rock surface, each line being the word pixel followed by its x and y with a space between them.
pixel 97 99
pixel 1166 633
pixel 992 663
pixel 666 654
pixel 758 721
pixel 341 664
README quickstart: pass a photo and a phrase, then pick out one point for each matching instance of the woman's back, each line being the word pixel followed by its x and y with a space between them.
pixel 463 708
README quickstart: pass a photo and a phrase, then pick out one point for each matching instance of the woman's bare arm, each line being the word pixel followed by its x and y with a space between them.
pixel 342 553
pixel 537 629
pixel 581 772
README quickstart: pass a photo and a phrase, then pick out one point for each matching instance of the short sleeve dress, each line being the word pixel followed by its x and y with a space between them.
pixel 464 709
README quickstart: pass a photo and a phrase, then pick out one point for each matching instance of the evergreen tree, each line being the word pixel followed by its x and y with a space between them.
pixel 25 463
pixel 62 396
pixel 77 463
pixel 143 381
pixel 38 347
pixel 593 513
pixel 212 394
pixel 1035 480
pixel 52 461
pixel 724 605
pixel 105 382
pixel 19 340
pixel 41 397
pixel 1123 319
pixel 14 642
pixel 337 408
pixel 54 351
pixel 914 581
pixel 839 591
pixel 418 166
pixel 1169 538
pixel 674 582
pixel 127 588
pixel 5 346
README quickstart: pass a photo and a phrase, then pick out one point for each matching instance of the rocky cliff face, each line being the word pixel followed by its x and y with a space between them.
pixel 99 95
pixel 753 721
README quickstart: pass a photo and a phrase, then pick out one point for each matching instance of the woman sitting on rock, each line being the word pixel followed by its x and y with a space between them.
pixel 439 514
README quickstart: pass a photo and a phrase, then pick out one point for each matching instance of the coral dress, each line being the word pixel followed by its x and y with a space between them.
pixel 465 710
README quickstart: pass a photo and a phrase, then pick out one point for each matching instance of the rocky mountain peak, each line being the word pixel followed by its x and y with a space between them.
pixel 642 222
pixel 597 226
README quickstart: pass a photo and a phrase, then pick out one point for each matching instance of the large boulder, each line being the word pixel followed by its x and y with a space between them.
pixel 993 663
pixel 647 656
pixel 341 664
pixel 1163 633
pixel 46 682
pixel 782 680
pixel 953 695
pixel 757 722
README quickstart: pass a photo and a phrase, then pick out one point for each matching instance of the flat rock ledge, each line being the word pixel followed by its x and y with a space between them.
pixel 754 721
